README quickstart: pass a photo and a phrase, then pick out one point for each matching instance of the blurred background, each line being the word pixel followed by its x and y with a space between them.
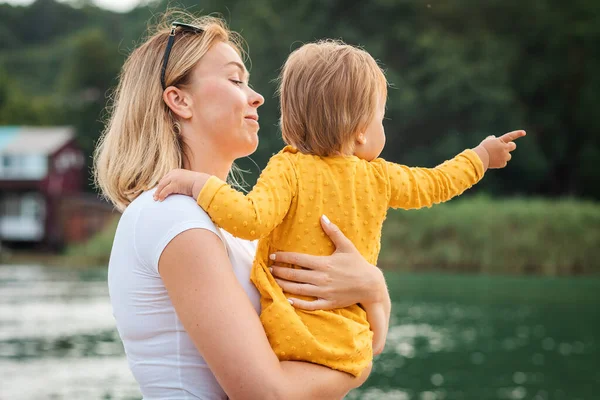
pixel 496 295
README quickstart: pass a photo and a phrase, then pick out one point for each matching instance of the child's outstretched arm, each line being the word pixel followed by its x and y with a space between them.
pixel 249 216
pixel 412 188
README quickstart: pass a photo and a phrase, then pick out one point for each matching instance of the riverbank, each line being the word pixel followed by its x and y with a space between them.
pixel 475 234
pixel 500 236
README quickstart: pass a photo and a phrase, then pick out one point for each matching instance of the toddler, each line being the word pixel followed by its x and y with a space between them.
pixel 333 98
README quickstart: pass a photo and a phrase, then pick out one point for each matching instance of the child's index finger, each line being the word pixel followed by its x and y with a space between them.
pixel 510 136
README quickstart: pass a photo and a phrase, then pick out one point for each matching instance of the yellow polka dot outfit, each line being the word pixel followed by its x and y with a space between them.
pixel 283 211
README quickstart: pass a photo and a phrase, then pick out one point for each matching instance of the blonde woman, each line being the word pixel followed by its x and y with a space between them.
pixel 180 289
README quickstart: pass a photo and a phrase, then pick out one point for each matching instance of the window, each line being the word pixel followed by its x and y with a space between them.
pixel 27 205
pixel 8 161
pixel 32 206
pixel 10 206
pixel 23 166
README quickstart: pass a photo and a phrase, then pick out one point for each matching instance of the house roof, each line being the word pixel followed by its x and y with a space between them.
pixel 33 140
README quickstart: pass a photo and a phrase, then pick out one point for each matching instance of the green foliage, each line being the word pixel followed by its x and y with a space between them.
pixel 92 63
pixel 507 236
pixel 459 70
pixel 511 236
pixel 95 251
pixel 89 71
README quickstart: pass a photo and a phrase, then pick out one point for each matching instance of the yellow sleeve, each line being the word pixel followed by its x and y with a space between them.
pixel 257 213
pixel 412 188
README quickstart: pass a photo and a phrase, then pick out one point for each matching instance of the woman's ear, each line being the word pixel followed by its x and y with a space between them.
pixel 361 138
pixel 178 101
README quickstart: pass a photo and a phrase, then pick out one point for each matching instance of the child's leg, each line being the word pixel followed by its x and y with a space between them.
pixel 339 339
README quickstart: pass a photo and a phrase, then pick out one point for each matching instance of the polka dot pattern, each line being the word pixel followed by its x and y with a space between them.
pixel 283 211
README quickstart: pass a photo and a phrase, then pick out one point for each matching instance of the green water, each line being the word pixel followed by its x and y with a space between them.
pixel 451 337
pixel 476 337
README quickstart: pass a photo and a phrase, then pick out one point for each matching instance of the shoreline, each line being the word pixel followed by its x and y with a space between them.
pixel 474 235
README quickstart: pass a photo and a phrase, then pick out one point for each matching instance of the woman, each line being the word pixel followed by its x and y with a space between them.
pixel 182 299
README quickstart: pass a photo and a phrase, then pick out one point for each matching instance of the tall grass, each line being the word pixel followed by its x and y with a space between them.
pixel 500 236
pixel 95 251
pixel 476 234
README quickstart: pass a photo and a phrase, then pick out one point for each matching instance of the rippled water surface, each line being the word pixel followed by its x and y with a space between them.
pixel 451 337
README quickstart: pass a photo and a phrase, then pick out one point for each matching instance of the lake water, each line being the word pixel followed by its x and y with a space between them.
pixel 451 337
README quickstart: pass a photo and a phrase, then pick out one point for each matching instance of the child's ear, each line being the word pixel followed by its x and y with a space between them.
pixel 361 138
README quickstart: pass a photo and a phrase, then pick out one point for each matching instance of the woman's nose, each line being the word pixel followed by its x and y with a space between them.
pixel 256 99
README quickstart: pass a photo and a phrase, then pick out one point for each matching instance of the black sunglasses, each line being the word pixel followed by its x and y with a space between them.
pixel 174 26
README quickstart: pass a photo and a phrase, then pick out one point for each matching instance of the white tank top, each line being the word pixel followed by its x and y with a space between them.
pixel 161 355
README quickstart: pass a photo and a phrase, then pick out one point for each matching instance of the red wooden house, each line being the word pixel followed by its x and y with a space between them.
pixel 42 173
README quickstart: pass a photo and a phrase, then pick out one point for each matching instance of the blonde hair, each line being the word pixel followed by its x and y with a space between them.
pixel 141 140
pixel 329 92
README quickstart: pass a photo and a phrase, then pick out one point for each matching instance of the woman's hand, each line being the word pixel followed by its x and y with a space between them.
pixel 339 280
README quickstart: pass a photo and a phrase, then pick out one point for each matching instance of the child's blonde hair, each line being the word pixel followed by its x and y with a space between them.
pixel 141 141
pixel 329 92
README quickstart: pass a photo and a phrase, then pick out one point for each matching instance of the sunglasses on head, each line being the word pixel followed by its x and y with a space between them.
pixel 174 28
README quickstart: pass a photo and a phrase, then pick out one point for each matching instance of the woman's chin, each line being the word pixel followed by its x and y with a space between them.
pixel 252 142
pixel 248 148
pixel 253 148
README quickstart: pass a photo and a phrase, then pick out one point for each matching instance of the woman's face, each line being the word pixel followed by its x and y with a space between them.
pixel 224 108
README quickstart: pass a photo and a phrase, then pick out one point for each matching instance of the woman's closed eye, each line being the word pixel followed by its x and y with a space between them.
pixel 237 82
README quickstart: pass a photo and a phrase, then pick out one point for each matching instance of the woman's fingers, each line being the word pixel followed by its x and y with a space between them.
pixel 296 275
pixel 341 242
pixel 302 260
pixel 300 289
pixel 319 304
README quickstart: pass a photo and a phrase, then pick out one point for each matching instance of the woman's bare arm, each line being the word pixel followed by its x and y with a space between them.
pixel 222 323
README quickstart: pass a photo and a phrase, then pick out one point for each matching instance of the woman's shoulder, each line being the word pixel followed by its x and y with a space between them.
pixel 153 224
pixel 172 210
pixel 175 213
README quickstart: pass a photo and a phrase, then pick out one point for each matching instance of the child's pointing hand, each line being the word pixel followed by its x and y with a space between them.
pixel 498 149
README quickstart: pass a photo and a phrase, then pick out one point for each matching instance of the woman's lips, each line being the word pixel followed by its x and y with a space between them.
pixel 253 119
